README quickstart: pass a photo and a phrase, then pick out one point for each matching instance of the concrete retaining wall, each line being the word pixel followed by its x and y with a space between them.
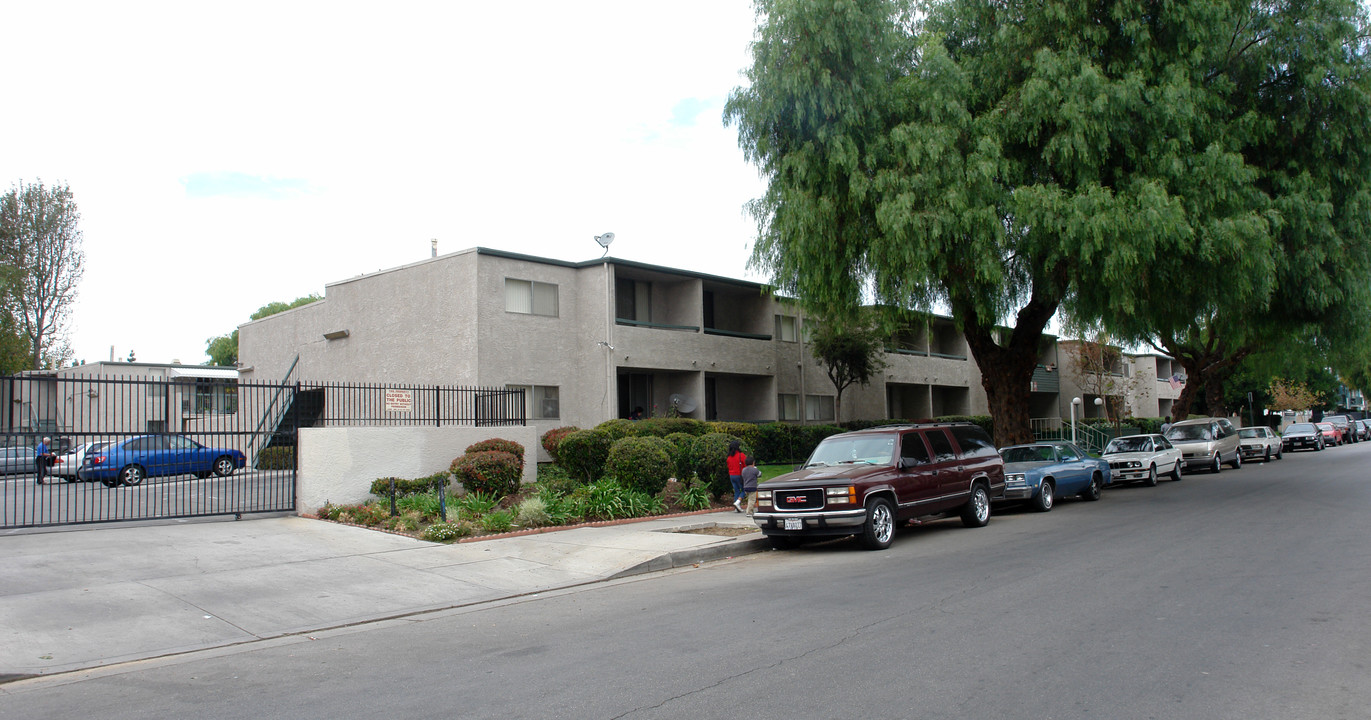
pixel 338 465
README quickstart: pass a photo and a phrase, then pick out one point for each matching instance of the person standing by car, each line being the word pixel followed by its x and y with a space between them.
pixel 41 459
pixel 735 461
pixel 750 475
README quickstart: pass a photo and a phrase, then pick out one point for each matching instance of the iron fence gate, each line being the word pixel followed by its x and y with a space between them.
pixel 194 442
pixel 140 448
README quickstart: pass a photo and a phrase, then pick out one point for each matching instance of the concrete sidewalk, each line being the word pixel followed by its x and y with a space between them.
pixel 109 594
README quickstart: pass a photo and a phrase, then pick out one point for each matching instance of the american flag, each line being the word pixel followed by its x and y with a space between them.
pixel 1176 381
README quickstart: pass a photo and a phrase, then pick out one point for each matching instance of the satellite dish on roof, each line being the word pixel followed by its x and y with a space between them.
pixel 684 404
pixel 604 241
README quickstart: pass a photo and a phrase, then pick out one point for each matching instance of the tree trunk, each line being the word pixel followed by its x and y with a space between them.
pixel 1007 372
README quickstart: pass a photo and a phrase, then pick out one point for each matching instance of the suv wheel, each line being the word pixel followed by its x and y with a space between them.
pixel 1214 465
pixel 976 512
pixel 879 528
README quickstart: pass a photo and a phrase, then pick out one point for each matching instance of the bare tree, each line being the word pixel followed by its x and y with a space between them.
pixel 42 242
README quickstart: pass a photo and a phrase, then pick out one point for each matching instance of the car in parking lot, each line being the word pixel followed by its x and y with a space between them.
pixel 1142 458
pixel 128 462
pixel 67 465
pixel 1259 443
pixel 1363 429
pixel 1043 471
pixel 1302 436
pixel 1206 443
pixel 866 482
pixel 16 459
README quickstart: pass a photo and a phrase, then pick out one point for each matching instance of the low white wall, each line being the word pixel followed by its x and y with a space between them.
pixel 338 465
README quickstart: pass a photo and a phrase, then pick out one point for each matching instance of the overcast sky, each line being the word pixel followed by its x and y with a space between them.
pixel 227 155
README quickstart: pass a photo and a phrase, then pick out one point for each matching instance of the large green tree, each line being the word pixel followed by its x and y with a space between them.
pixel 40 228
pixel 1005 160
pixel 223 349
pixel 1291 93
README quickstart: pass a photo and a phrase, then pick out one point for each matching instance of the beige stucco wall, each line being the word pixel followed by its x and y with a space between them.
pixel 338 465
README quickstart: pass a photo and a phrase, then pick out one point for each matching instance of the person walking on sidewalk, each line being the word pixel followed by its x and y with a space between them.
pixel 750 475
pixel 41 459
pixel 736 459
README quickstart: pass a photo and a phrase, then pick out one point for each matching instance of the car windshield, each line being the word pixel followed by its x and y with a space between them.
pixel 1128 444
pixel 1301 428
pixel 840 449
pixel 1189 432
pixel 1249 433
pixel 1028 453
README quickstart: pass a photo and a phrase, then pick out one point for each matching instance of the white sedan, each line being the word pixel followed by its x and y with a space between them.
pixel 1259 443
pixel 1134 458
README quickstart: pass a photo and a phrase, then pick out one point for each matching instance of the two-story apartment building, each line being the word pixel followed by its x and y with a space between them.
pixel 1132 384
pixel 595 340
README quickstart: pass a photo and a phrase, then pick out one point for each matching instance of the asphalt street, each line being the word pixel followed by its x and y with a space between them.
pixel 1236 595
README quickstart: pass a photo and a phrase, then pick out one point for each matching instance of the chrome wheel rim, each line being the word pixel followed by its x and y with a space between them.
pixel 222 466
pixel 982 504
pixel 1046 501
pixel 882 522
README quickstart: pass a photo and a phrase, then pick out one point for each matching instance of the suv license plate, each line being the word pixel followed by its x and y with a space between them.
pixel 794 524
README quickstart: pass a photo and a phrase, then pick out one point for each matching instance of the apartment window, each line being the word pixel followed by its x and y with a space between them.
pixel 530 298
pixel 540 401
pixel 633 300
pixel 818 407
pixel 787 328
pixel 788 406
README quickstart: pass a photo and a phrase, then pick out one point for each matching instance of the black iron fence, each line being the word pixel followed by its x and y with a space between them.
pixel 193 442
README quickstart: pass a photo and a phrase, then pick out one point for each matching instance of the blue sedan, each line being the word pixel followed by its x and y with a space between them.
pixel 1042 472
pixel 128 462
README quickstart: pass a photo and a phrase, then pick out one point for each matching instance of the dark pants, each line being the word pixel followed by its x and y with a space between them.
pixel 40 467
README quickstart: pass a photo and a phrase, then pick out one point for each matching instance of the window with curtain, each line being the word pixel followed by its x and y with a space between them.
pixel 788 406
pixel 530 298
pixel 818 407
pixel 541 402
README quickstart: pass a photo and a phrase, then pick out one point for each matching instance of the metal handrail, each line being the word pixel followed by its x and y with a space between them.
pixel 271 409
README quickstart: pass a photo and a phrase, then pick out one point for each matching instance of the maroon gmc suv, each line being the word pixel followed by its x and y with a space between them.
pixel 866 482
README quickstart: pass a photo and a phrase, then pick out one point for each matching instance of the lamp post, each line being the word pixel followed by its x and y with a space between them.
pixel 1074 402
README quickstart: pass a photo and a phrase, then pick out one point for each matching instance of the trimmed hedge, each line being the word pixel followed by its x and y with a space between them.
pixel 276 457
pixel 491 472
pixel 618 428
pixel 583 454
pixel 682 445
pixel 640 463
pixel 710 452
pixel 662 427
pixel 552 439
pixel 501 445
pixel 749 433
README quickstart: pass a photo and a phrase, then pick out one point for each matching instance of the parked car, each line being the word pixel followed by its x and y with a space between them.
pixel 1040 472
pixel 128 462
pixel 1134 458
pixel 16 459
pixel 866 482
pixel 1363 429
pixel 1344 425
pixel 68 464
pixel 1259 443
pixel 1302 435
pixel 1206 442
pixel 1332 436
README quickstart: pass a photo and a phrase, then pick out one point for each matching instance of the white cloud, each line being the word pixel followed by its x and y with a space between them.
pixel 226 156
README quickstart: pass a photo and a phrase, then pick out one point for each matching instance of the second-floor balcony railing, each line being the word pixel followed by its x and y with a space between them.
pixel 734 333
pixel 657 326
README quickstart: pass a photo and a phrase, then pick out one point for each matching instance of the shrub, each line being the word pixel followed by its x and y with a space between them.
pixel 381 487
pixel 425 504
pixel 640 463
pixel 276 458
pixel 556 479
pixel 618 428
pixel 532 512
pixel 500 445
pixel 408 522
pixel 552 439
pixel 560 508
pixel 711 461
pixel 748 433
pixel 368 514
pixel 681 446
pixel 583 454
pixel 475 504
pixel 489 471
pixel 446 532
pixel 695 496
pixel 606 499
pixel 662 427
pixel 782 443
pixel 497 521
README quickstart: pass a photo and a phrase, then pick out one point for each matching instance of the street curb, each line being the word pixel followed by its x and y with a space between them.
pixel 746 545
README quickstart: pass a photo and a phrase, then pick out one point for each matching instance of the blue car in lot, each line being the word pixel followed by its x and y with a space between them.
pixel 1043 471
pixel 128 462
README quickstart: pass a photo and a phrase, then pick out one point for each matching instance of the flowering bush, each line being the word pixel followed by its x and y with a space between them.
pixel 552 439
pixel 509 446
pixel 489 471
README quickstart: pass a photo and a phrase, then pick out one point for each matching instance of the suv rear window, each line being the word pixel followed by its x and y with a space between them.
pixel 974 441
pixel 942 447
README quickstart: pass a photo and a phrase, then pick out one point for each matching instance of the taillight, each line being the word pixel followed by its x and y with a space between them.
pixel 95 460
